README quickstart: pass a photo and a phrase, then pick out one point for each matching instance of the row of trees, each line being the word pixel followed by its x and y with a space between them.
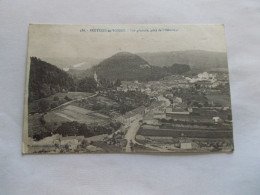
pixel 72 129
pixel 75 128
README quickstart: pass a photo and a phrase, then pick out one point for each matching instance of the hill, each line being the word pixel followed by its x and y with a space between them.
pixel 128 66
pixel 198 60
pixel 46 79
pixel 123 66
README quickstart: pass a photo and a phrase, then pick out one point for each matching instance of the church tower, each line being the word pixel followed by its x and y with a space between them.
pixel 96 79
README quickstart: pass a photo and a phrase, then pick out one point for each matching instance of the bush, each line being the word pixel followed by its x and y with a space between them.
pixel 41 133
pixel 75 128
pixel 54 105
pixel 67 98
pixel 42 121
pixel 43 105
pixel 56 98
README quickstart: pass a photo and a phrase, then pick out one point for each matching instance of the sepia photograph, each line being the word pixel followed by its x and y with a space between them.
pixel 129 97
pixel 127 89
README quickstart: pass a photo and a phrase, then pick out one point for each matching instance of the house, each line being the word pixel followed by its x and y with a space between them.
pixel 148 91
pixel 177 112
pixel 186 145
pixel 183 84
pixel 204 84
pixel 150 120
pixel 177 100
pixel 216 119
pixel 71 142
pixel 203 76
pixel 168 109
pixel 159 112
pixel 159 115
pixel 169 95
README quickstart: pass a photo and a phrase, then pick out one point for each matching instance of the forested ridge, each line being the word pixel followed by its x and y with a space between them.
pixel 46 79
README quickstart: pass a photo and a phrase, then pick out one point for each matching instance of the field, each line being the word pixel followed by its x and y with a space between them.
pixel 223 100
pixel 186 133
pixel 101 106
pixel 74 113
pixel 42 124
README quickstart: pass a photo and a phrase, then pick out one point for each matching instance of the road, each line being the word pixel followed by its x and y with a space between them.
pixel 131 133
pixel 67 103
pixel 135 125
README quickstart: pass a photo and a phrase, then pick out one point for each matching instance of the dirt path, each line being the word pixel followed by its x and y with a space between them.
pixel 131 133
pixel 67 103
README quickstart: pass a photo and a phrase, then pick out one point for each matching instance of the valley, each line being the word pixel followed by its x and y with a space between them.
pixel 125 104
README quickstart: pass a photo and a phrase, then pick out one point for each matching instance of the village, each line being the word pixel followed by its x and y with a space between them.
pixel 185 123
pixel 171 121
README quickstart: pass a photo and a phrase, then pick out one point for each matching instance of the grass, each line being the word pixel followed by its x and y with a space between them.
pixel 74 113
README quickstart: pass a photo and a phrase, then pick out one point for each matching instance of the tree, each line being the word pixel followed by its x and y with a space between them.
pixel 68 129
pixel 41 133
pixel 67 98
pixel 118 83
pixel 43 105
pixel 56 98
pixel 87 85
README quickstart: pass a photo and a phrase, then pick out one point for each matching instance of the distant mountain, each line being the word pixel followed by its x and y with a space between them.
pixel 46 79
pixel 67 63
pixel 198 60
pixel 128 66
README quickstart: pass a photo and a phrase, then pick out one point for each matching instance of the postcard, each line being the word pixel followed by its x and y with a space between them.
pixel 143 88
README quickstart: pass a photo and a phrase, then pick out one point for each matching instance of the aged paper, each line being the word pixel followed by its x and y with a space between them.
pixel 127 88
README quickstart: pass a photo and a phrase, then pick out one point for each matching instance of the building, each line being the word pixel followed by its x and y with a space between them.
pixel 177 100
pixel 186 145
pixel 203 76
pixel 132 115
pixel 150 120
pixel 148 91
pixel 71 142
pixel 216 119
pixel 206 76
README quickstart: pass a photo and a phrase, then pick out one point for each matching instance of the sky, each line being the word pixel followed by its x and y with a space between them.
pixel 79 41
